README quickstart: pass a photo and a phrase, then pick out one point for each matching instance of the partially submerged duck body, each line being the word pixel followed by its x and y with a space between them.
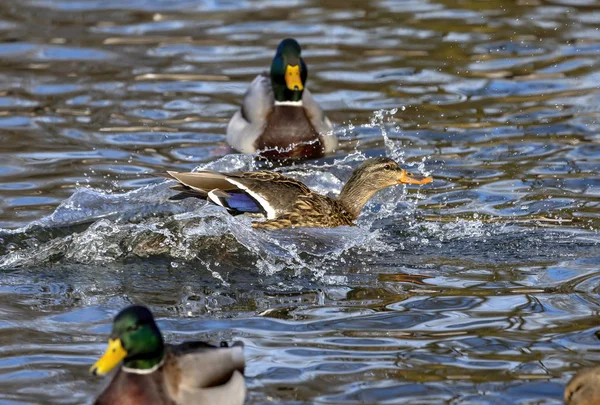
pixel 279 117
pixel 287 203
pixel 584 388
pixel 191 373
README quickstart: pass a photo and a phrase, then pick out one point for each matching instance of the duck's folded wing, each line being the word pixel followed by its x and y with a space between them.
pixel 210 367
pixel 231 393
pixel 249 122
pixel 319 121
pixel 274 192
pixel 269 193
pixel 258 100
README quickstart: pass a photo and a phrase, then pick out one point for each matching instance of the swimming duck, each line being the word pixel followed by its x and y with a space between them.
pixel 584 388
pixel 279 117
pixel 153 373
pixel 288 203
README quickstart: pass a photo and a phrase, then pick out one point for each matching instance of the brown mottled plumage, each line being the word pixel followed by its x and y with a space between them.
pixel 288 203
pixel 584 388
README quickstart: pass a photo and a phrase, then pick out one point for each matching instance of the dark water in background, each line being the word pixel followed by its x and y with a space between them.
pixel 479 289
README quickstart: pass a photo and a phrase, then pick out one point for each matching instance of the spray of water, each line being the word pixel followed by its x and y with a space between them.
pixel 102 227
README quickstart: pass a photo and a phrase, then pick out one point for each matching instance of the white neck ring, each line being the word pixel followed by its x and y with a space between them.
pixel 144 370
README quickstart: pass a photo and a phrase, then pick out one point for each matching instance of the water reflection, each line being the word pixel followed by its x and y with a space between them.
pixel 480 289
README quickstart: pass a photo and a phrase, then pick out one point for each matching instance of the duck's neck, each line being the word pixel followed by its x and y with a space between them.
pixel 283 94
pixel 145 364
pixel 355 195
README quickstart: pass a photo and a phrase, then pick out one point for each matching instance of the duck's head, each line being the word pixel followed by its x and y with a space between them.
pixel 288 71
pixel 374 175
pixel 135 339
pixel 383 172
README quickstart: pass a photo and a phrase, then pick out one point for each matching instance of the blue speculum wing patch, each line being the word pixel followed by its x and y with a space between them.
pixel 242 202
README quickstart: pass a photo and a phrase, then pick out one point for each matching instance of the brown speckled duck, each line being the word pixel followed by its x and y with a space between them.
pixel 584 388
pixel 152 373
pixel 287 203
pixel 279 117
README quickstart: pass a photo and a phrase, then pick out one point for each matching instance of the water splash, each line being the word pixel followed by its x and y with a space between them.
pixel 96 227
pixel 379 120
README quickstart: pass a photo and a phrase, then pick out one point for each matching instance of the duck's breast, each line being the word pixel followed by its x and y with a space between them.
pixel 289 134
pixel 135 389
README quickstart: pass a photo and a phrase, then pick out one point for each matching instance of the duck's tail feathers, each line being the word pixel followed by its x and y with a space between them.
pixel 195 185
pixel 204 181
pixel 187 194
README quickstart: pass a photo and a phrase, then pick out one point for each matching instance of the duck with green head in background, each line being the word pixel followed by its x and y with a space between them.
pixel 153 373
pixel 279 117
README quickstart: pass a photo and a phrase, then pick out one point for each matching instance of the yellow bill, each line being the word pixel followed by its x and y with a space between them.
pixel 113 356
pixel 293 81
pixel 408 178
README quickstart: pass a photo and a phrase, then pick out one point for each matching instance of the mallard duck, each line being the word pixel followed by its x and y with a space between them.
pixel 279 116
pixel 584 388
pixel 286 202
pixel 153 373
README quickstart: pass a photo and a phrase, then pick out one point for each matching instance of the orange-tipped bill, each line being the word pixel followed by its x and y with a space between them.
pixel 409 178
pixel 113 356
pixel 293 81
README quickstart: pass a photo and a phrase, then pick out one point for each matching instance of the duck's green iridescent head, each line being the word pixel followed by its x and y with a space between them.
pixel 288 71
pixel 135 339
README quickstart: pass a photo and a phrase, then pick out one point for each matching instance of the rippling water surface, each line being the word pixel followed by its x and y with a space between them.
pixel 481 288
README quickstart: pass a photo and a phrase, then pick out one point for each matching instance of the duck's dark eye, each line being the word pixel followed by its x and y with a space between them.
pixel 132 328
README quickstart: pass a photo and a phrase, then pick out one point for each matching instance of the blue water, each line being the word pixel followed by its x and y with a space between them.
pixel 481 288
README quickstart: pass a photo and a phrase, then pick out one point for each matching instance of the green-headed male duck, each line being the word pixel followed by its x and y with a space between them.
pixel 287 203
pixel 153 373
pixel 279 117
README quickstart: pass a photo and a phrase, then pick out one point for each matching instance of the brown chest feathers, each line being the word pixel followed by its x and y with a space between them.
pixel 291 124
pixel 136 389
